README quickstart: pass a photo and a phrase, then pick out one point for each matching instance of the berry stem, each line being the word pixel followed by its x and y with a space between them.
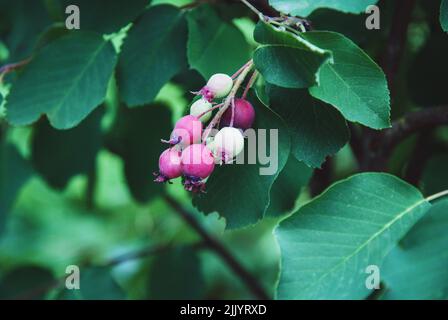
pixel 210 110
pixel 236 74
pixel 228 100
pixel 250 83
pixel 233 113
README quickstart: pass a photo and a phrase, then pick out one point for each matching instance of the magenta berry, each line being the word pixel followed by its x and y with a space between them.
pixel 169 165
pixel 197 163
pixel 188 130
pixel 244 115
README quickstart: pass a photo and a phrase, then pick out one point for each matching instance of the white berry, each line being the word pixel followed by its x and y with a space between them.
pixel 220 85
pixel 228 143
pixel 199 107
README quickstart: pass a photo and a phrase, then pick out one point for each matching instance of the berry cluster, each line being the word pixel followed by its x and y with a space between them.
pixel 192 153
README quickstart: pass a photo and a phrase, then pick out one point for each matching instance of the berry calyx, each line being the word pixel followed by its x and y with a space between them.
pixel 201 107
pixel 197 163
pixel 243 115
pixel 169 165
pixel 228 143
pixel 188 130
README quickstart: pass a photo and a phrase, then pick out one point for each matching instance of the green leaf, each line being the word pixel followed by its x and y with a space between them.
pixel 21 283
pixel 58 155
pixel 153 52
pixel 96 283
pixel 97 15
pixel 176 274
pixel 417 269
pixel 14 172
pixel 213 44
pixel 327 244
pixel 66 81
pixel 354 83
pixel 287 60
pixel 305 7
pixel 238 191
pixel 135 137
pixel 317 130
pixel 444 15
pixel 285 190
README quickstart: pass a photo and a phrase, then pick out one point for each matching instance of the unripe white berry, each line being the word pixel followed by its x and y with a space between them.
pixel 199 107
pixel 228 143
pixel 220 85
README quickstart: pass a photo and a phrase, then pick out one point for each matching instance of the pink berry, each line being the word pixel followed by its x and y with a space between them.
pixel 188 130
pixel 169 165
pixel 197 163
pixel 244 115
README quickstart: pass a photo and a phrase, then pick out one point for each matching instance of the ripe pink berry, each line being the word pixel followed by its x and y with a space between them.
pixel 169 165
pixel 188 130
pixel 244 115
pixel 197 163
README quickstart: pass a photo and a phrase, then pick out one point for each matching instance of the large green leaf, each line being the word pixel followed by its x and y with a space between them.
pixel 285 59
pixel 176 274
pixel 317 130
pixel 213 44
pixel 136 139
pixel 354 83
pixel 26 282
pixel 285 190
pixel 153 52
pixel 305 7
pixel 418 268
pixel 105 16
pixel 238 191
pixel 444 15
pixel 58 155
pixel 327 244
pixel 66 81
pixel 14 172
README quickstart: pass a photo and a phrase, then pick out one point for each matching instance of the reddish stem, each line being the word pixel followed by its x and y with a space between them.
pixel 250 83
pixel 236 74
pixel 11 67
pixel 210 110
pixel 233 112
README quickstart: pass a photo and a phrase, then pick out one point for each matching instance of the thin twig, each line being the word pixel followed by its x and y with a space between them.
pixel 213 244
pixel 251 7
pixel 414 122
pixel 210 110
pixel 238 72
pixel 11 67
pixel 250 83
